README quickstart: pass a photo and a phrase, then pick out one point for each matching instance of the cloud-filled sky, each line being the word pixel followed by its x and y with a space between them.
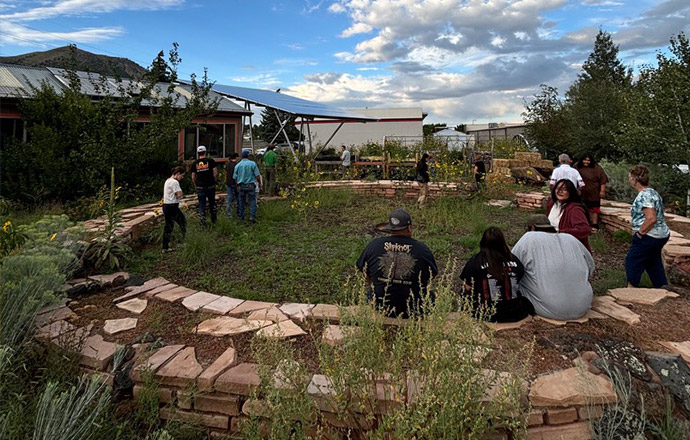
pixel 460 60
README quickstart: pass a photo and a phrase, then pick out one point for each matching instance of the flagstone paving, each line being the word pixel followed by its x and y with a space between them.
pixel 115 326
pixel 134 305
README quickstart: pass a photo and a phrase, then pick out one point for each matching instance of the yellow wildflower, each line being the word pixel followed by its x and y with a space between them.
pixel 6 226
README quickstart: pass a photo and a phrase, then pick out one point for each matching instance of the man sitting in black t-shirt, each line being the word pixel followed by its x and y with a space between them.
pixel 399 266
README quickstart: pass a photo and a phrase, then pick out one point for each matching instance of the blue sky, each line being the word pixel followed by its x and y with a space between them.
pixel 460 60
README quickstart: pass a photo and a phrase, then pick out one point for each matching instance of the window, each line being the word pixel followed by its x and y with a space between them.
pixel 11 129
pixel 211 135
pixel 219 140
pixel 229 139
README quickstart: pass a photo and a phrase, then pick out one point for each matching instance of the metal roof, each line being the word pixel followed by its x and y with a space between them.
pixel 16 82
pixel 289 104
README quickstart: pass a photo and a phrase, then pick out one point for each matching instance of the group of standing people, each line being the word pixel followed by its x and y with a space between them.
pixel 242 179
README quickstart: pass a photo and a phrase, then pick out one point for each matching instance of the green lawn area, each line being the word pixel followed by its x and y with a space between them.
pixel 308 257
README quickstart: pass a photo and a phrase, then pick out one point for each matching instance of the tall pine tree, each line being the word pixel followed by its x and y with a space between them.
pixel 596 102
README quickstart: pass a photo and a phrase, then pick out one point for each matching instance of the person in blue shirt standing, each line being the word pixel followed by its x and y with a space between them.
pixel 651 232
pixel 246 176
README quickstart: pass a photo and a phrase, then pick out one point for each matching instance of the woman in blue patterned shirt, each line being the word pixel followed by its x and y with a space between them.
pixel 650 229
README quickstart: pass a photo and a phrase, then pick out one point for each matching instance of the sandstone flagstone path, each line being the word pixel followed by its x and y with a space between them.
pixel 115 326
pixel 607 305
pixel 134 305
pixel 641 295
pixel 228 326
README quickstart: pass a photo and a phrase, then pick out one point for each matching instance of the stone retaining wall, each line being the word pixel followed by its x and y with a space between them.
pixel 219 394
pixel 391 188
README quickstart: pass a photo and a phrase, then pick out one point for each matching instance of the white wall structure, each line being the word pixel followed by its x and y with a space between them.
pixel 392 122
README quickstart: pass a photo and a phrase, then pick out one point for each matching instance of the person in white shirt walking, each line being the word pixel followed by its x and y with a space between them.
pixel 565 171
pixel 346 161
pixel 172 193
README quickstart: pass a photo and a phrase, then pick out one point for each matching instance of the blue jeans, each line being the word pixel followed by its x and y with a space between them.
pixel 247 193
pixel 205 193
pixel 645 255
pixel 232 198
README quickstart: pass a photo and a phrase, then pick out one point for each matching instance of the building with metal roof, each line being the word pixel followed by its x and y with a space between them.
pixel 220 133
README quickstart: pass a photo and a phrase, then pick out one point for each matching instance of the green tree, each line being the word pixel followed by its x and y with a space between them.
pixel 74 140
pixel 270 126
pixel 429 129
pixel 597 101
pixel 547 124
pixel 658 127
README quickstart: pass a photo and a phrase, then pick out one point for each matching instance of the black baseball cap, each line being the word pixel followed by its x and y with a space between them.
pixel 398 220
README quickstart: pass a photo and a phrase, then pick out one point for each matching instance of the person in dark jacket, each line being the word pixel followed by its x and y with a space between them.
pixel 423 178
pixel 492 278
pixel 231 185
pixel 595 187
pixel 566 212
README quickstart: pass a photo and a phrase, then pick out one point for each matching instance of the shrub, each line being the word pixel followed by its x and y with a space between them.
pixel 671 183
pixel 430 370
pixel 71 414
pixel 109 250
pixel 10 239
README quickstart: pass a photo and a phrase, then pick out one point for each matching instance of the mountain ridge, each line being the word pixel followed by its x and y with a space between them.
pixel 71 57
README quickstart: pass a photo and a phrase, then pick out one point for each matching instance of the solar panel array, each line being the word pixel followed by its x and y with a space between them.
pixel 289 104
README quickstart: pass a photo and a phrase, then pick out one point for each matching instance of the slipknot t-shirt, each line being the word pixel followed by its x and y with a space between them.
pixel 400 269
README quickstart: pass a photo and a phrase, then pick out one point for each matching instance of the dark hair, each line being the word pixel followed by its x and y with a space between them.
pixel 592 161
pixel 234 155
pixel 573 196
pixel 270 147
pixel 494 251
pixel 641 174
pixel 425 156
pixel 178 169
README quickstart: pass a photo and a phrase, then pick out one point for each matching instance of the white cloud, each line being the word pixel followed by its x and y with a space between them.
pixel 357 28
pixel 336 8
pixel 601 3
pixel 12 33
pixel 295 62
pixel 82 7
pixel 260 80
pixel 309 7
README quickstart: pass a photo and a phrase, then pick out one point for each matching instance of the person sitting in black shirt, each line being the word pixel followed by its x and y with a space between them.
pixel 492 278
pixel 399 267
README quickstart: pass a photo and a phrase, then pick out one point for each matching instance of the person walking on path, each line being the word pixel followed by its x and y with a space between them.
pixel 595 187
pixel 565 171
pixel 651 232
pixel 231 185
pixel 246 175
pixel 204 175
pixel 346 162
pixel 423 178
pixel 270 161
pixel 172 193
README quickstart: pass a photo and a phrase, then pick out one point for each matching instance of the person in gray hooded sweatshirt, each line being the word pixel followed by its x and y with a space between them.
pixel 557 271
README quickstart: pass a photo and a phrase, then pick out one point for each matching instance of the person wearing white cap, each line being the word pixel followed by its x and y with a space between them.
pixel 204 174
